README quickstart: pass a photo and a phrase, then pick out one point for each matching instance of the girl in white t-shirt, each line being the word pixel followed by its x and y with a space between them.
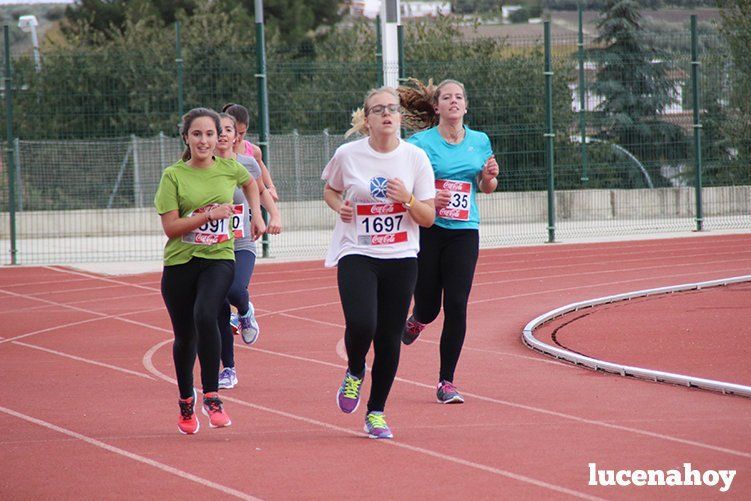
pixel 382 188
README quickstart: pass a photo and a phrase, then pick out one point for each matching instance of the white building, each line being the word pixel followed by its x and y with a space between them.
pixel 417 8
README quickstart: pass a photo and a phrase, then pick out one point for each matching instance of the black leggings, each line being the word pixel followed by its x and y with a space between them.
pixel 194 293
pixel 446 267
pixel 375 295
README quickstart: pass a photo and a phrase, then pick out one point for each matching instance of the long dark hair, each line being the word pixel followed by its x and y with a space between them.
pixel 238 111
pixel 419 101
pixel 188 119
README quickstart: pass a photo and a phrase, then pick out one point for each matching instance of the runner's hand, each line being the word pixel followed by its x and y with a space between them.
pixel 397 192
pixel 442 199
pixel 490 170
pixel 273 193
pixel 257 226
pixel 222 211
pixel 346 212
pixel 275 225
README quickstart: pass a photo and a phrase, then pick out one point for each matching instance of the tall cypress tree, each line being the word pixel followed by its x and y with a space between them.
pixel 633 81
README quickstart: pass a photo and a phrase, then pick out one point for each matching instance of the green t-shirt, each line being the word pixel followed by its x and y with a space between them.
pixel 184 188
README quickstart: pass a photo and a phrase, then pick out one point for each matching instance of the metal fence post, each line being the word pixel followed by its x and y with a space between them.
pixel 582 96
pixel 298 160
pixel 697 123
pixel 326 145
pixel 263 103
pixel 8 84
pixel 137 191
pixel 179 61
pixel 19 180
pixel 379 51
pixel 549 135
pixel 162 158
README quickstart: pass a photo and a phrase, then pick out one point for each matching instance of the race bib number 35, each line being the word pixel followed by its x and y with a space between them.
pixel 214 232
pixel 381 224
pixel 458 207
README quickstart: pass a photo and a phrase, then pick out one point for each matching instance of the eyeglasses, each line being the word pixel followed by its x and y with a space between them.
pixel 379 109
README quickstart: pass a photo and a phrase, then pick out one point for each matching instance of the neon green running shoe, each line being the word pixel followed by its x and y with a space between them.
pixel 348 396
pixel 376 427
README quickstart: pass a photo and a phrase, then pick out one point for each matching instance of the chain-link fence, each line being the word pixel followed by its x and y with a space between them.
pixel 93 131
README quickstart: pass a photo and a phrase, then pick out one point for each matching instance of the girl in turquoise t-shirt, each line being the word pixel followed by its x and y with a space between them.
pixel 194 201
pixel 463 163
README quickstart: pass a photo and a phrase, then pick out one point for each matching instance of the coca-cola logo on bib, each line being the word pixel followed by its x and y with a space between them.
pixel 451 213
pixel 383 239
pixel 452 186
pixel 382 209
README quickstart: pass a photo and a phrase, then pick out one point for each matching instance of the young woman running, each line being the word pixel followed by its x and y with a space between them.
pixel 245 255
pixel 245 147
pixel 194 202
pixel 382 188
pixel 463 163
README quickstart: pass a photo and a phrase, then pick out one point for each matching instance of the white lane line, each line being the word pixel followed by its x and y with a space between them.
pixel 79 322
pixel 341 351
pixel 508 403
pixel 148 363
pixel 82 301
pixel 135 457
pixel 85 360
pixel 151 368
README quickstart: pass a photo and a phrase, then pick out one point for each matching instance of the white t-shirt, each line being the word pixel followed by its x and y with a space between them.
pixel 380 228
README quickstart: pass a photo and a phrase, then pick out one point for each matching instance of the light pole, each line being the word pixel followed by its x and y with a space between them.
pixel 28 24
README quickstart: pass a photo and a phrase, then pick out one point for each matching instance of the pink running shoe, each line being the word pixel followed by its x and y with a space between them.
pixel 213 408
pixel 412 330
pixel 187 423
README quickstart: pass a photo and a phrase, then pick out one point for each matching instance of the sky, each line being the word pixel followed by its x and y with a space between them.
pixel 33 2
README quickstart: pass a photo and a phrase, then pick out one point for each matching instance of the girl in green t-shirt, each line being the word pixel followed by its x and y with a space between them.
pixel 194 201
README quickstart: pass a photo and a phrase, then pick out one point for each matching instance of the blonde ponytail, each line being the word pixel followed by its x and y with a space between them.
pixel 358 123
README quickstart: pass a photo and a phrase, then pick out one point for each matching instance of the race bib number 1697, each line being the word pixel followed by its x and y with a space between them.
pixel 381 224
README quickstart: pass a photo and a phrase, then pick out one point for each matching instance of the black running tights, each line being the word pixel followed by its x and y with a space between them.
pixel 375 295
pixel 194 293
pixel 446 267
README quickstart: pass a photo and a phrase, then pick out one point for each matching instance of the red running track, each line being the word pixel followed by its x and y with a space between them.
pixel 88 401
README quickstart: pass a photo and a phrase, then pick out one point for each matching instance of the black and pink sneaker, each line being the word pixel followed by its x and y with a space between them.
pixel 412 330
pixel 448 394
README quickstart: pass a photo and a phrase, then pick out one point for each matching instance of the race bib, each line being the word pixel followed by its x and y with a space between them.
pixel 380 224
pixel 458 207
pixel 236 221
pixel 216 231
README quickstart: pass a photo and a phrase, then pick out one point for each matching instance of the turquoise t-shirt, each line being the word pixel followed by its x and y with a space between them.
pixel 456 168
pixel 186 189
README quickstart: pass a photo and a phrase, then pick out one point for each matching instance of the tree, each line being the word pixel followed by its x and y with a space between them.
pixel 291 20
pixel 635 84
pixel 736 28
pixel 109 16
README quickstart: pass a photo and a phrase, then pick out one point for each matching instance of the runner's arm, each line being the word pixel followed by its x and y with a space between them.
pixel 175 226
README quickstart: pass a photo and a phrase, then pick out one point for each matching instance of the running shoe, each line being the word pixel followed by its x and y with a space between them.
pixel 234 323
pixel 213 408
pixel 187 423
pixel 412 330
pixel 227 378
pixel 249 326
pixel 348 396
pixel 448 394
pixel 376 427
